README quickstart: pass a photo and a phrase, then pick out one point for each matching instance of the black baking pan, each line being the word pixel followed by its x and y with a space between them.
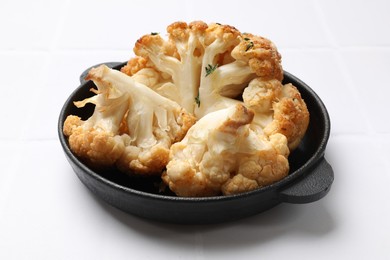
pixel 309 179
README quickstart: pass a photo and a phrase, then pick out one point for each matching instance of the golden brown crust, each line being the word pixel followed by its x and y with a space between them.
pixel 99 148
pixel 238 184
pixel 226 33
pixel 134 65
pixel 291 117
pixel 70 124
pixel 242 116
pixel 185 121
pixel 135 161
pixel 261 55
pixel 198 26
pixel 178 30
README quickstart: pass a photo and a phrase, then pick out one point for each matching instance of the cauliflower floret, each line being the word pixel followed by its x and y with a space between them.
pixel 132 126
pixel 221 154
pixel 278 108
pixel 261 55
pixel 291 117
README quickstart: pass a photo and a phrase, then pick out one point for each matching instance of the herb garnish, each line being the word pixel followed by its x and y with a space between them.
pixel 249 46
pixel 197 100
pixel 154 33
pixel 210 69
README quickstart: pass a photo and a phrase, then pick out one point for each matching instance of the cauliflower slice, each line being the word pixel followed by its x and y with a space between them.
pixel 132 126
pixel 179 59
pixel 222 154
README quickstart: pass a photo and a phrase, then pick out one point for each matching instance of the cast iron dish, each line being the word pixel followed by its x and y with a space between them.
pixel 310 176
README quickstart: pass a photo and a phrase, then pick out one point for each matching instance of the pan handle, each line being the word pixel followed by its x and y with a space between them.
pixel 108 64
pixel 312 187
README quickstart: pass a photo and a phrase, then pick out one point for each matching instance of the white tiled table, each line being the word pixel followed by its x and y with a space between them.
pixel 340 48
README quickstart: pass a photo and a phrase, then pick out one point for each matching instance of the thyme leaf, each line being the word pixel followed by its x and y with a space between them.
pixel 210 69
pixel 249 46
pixel 197 100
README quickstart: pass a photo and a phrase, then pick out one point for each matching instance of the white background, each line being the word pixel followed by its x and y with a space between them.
pixel 339 48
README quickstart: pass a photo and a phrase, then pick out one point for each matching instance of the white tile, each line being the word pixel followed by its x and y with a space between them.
pixel 358 23
pixel 10 155
pixel 8 148
pixel 382 141
pixel 320 69
pixel 28 25
pixel 58 216
pixel 117 24
pixel 356 197
pixel 368 70
pixel 43 202
pixel 87 27
pixel 286 23
pixel 21 81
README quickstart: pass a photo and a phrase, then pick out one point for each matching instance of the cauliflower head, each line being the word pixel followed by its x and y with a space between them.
pixel 206 104
pixel 221 154
pixel 132 126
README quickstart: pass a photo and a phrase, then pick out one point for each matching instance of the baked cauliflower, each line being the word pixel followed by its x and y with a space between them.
pixel 222 86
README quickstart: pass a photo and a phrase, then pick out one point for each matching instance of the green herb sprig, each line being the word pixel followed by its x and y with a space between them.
pixel 210 69
pixel 197 100
pixel 249 46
